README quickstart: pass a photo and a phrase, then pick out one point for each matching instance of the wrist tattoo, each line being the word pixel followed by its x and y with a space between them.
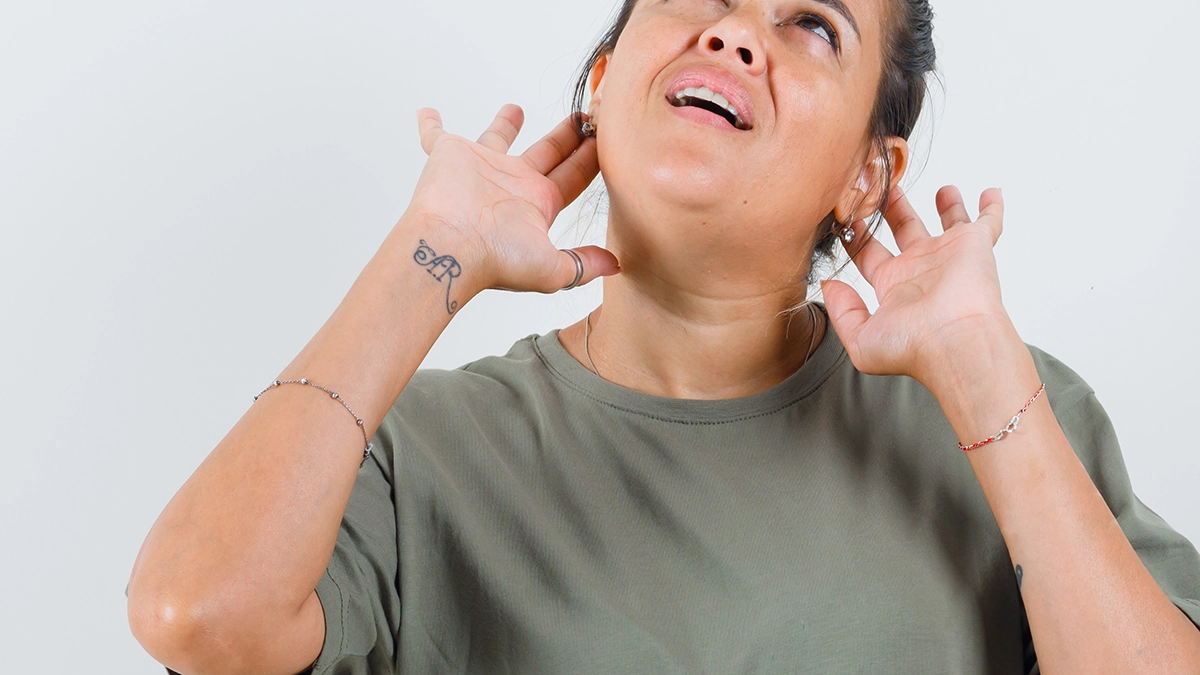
pixel 1020 574
pixel 439 267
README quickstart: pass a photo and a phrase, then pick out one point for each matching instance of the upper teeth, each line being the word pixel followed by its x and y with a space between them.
pixel 708 95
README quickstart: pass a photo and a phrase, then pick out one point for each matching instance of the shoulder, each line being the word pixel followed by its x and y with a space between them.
pixel 442 406
pixel 904 408
pixel 470 382
pixel 1064 386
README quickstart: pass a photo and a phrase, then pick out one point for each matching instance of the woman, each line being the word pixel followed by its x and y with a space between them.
pixel 705 475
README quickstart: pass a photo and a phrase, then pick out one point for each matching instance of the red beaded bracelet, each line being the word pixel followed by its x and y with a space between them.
pixel 1011 428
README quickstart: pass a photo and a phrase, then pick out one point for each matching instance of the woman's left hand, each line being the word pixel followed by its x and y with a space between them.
pixel 939 299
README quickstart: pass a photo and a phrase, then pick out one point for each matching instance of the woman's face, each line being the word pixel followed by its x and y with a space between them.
pixel 752 112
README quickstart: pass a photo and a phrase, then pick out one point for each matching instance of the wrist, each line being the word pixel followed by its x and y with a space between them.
pixel 982 380
pixel 448 257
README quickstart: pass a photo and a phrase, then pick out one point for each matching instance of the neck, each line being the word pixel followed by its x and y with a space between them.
pixel 669 341
pixel 701 307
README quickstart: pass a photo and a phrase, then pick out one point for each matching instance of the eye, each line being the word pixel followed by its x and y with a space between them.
pixel 819 27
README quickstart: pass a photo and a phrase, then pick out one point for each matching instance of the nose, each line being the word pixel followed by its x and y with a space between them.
pixel 734 39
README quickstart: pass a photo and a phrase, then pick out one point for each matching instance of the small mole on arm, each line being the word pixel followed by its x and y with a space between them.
pixel 1020 573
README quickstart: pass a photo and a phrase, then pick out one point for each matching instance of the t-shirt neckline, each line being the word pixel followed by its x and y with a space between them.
pixel 824 360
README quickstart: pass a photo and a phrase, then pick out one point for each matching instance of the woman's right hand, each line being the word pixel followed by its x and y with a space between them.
pixel 502 206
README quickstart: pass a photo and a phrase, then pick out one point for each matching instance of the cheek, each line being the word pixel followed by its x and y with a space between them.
pixel 644 50
pixel 819 134
pixel 628 137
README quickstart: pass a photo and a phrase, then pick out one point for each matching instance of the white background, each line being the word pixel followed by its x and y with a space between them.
pixel 187 189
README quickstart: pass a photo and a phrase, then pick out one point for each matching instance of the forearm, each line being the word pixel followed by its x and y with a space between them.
pixel 1092 605
pixel 242 545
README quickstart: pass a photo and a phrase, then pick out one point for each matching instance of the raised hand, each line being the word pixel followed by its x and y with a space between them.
pixel 937 298
pixel 500 207
pixel 261 514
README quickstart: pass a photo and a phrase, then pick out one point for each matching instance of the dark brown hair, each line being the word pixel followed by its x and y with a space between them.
pixel 909 56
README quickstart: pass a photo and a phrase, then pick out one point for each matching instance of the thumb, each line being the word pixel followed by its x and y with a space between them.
pixel 847 311
pixel 991 212
pixel 597 262
pixel 429 124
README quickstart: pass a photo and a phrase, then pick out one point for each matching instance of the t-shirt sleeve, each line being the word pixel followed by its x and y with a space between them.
pixel 1170 558
pixel 359 591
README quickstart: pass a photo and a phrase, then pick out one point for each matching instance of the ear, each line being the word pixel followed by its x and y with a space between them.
pixel 861 198
pixel 597 83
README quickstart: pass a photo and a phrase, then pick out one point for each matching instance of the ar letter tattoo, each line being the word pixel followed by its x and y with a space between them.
pixel 439 267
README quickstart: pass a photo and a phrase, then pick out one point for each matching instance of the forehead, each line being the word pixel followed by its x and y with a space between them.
pixel 868 19
pixel 860 9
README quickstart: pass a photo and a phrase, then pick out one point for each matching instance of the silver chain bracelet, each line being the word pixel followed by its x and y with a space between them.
pixel 362 426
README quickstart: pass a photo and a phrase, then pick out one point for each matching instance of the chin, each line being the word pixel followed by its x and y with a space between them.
pixel 682 179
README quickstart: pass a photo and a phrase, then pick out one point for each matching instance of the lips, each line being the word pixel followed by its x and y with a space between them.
pixel 714 90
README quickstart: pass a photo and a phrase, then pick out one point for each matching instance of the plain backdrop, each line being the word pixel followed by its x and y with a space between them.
pixel 187 189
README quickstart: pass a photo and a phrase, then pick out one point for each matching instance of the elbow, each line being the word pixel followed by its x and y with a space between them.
pixel 220 633
pixel 166 628
pixel 183 635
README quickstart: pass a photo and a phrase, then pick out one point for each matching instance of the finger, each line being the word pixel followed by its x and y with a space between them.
pixel 500 135
pixel 951 208
pixel 577 172
pixel 868 255
pixel 991 212
pixel 554 147
pixel 597 262
pixel 847 312
pixel 429 125
pixel 906 225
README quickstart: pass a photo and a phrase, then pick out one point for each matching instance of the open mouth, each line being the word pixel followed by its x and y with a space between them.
pixel 706 99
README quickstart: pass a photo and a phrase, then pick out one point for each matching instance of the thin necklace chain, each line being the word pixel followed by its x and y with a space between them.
pixel 587 329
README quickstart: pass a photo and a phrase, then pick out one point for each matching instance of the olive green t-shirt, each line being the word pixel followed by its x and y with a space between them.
pixel 522 515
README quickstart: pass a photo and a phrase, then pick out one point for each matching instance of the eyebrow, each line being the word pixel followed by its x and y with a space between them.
pixel 841 8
